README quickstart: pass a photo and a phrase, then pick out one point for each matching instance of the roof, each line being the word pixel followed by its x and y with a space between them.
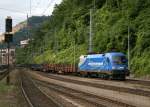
pixel 115 53
pixel 107 54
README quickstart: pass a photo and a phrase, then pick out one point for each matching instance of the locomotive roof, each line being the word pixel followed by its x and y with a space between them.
pixel 105 54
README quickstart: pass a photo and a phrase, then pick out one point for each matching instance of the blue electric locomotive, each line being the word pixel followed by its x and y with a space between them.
pixel 113 65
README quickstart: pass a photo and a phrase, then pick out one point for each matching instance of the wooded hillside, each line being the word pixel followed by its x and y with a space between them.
pixel 66 33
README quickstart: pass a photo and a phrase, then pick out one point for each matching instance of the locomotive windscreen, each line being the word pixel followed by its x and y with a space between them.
pixel 119 59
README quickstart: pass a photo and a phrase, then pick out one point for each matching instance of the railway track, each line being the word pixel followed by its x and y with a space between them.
pixel 88 99
pixel 131 81
pixel 3 74
pixel 103 86
pixel 141 82
pixel 33 95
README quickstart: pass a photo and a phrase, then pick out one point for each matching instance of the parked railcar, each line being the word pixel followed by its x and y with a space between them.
pixel 60 68
pixel 2 66
pixel 38 67
pixel 112 65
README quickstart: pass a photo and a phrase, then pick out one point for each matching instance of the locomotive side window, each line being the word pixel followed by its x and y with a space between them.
pixel 119 59
pixel 108 61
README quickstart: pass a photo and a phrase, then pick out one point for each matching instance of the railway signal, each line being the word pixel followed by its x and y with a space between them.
pixel 8 24
pixel 8 39
pixel 8 33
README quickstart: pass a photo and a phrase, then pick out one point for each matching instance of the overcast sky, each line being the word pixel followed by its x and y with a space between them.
pixel 18 10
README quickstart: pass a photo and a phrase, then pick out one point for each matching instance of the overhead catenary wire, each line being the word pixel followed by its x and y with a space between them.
pixel 49 4
pixel 37 4
pixel 12 10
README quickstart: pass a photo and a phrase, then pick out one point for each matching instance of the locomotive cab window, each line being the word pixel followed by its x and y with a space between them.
pixel 119 59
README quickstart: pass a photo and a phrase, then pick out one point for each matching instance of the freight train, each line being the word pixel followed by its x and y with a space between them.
pixel 112 65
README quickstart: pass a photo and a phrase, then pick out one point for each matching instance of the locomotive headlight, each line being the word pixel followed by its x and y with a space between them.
pixel 113 67
pixel 121 67
pixel 117 68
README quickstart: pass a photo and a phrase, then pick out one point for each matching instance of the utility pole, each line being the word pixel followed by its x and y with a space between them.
pixel 43 50
pixel 128 47
pixel 128 38
pixel 8 77
pixel 28 35
pixel 91 34
pixel 74 55
pixel 94 5
pixel 30 7
pixel 91 27
pixel 1 55
pixel 27 26
pixel 55 41
pixel 27 31
pixel 0 50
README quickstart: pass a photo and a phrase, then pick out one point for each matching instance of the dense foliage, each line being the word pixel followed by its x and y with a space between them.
pixel 65 35
pixel 33 23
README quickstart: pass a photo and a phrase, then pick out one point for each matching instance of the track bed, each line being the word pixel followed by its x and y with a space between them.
pixel 33 95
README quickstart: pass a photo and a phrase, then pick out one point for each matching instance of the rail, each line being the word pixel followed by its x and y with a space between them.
pixel 33 95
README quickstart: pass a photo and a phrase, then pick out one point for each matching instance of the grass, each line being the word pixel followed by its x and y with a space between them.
pixel 5 88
